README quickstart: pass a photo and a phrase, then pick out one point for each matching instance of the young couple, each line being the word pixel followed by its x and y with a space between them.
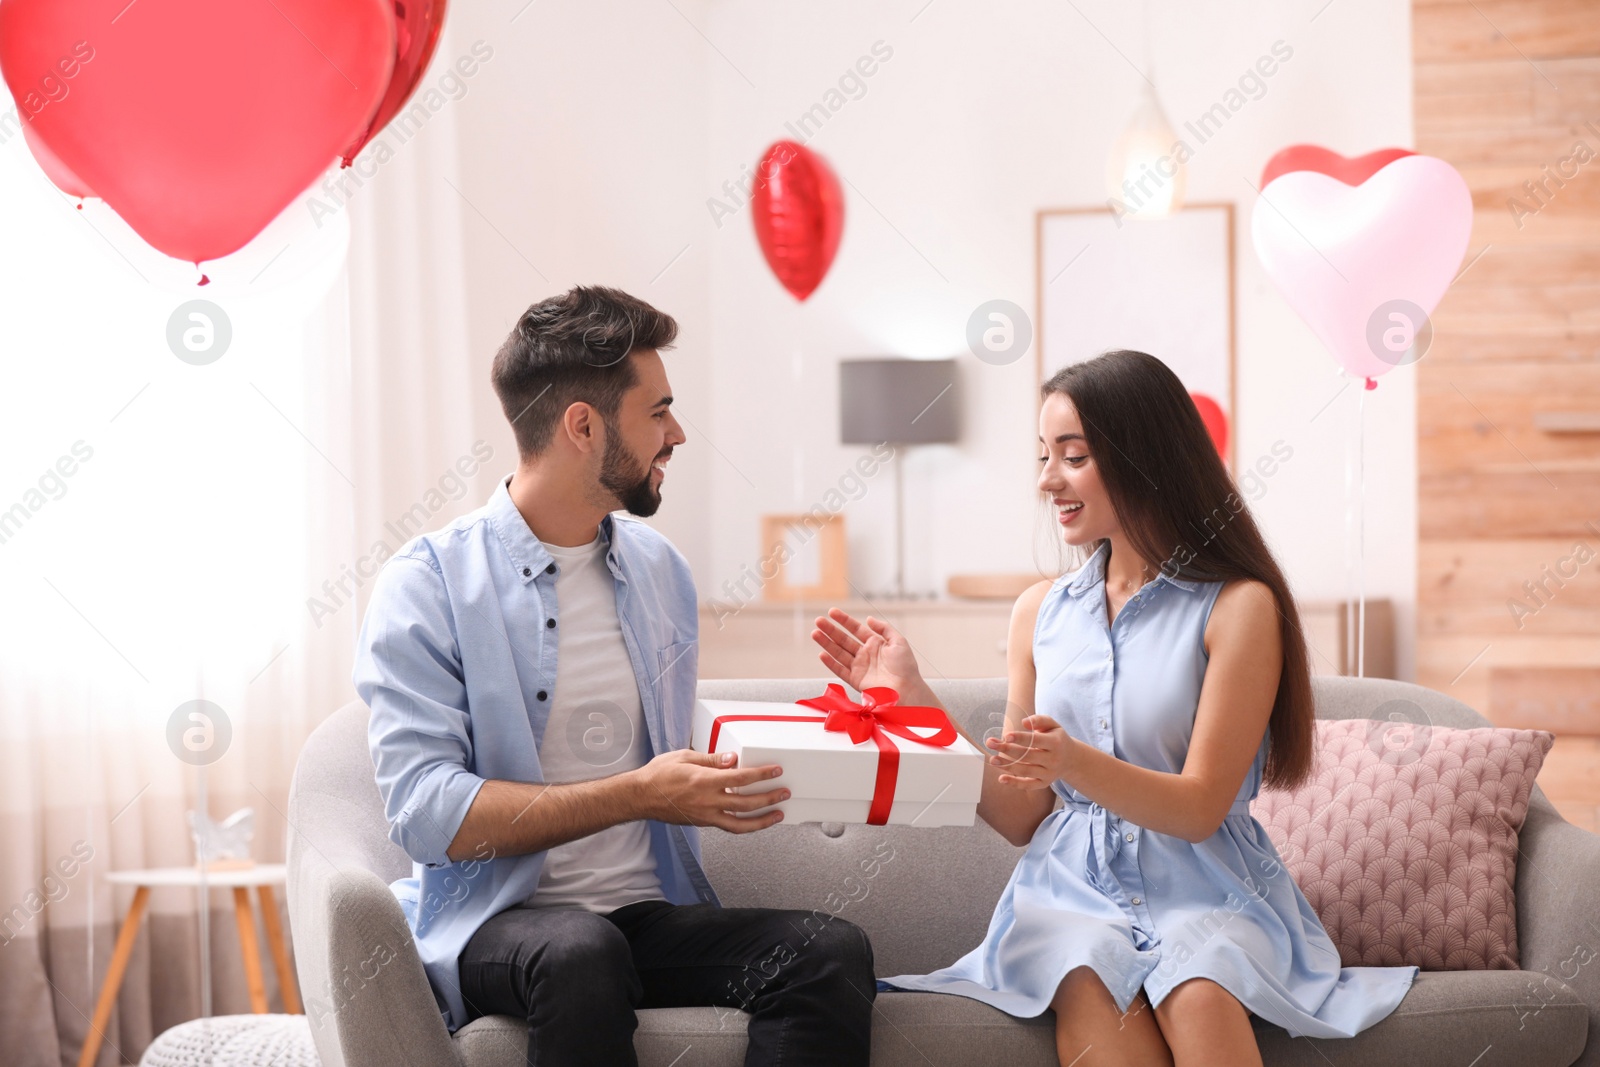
pixel 531 674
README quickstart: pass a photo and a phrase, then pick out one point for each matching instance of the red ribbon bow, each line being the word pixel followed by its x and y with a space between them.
pixel 876 717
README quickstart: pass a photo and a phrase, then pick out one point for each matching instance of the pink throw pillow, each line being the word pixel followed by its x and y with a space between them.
pixel 1404 838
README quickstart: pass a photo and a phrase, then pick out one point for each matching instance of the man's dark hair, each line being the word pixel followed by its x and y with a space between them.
pixel 570 348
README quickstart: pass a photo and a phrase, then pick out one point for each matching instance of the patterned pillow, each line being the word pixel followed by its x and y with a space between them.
pixel 1404 838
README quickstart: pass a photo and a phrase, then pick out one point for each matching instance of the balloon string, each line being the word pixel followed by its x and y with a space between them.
pixel 95 783
pixel 796 372
pixel 1349 620
pixel 1361 537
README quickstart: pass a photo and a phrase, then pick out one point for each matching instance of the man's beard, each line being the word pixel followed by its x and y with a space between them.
pixel 626 480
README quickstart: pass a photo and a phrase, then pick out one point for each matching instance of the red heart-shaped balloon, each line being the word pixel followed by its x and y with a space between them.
pixel 798 210
pixel 417 24
pixel 1216 421
pixel 58 172
pixel 1327 161
pixel 197 121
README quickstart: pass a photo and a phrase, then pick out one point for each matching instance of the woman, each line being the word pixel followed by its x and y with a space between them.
pixel 1153 691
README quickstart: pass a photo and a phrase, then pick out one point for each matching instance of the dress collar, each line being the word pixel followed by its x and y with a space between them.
pixel 1093 573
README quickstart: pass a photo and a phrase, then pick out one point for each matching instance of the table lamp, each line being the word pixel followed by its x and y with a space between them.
pixel 902 402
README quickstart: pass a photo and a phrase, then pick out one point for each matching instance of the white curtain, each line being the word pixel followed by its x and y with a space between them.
pixel 173 529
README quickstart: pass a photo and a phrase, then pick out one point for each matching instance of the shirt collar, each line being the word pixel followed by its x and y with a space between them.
pixel 1093 573
pixel 528 554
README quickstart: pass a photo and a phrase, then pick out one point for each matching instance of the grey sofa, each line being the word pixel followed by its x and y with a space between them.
pixel 924 903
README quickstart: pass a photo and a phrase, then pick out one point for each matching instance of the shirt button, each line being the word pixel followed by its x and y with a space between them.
pixel 1102 724
pixel 1129 837
pixel 548 570
pixel 526 572
pixel 1136 900
pixel 541 694
pixel 549 624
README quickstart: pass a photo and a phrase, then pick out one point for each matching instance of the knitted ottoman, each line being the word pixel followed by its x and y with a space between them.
pixel 235 1041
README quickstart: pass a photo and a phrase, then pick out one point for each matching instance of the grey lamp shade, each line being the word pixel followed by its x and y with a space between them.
pixel 902 401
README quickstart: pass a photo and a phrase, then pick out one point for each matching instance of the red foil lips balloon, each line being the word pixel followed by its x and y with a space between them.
pixel 1326 161
pixel 197 121
pixel 798 211
pixel 416 34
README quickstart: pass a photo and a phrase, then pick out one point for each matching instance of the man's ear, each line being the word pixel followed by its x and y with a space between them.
pixel 581 423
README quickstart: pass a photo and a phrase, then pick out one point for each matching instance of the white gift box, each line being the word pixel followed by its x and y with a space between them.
pixel 831 778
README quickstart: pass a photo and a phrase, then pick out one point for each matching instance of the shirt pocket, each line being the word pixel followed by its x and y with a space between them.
pixel 677 672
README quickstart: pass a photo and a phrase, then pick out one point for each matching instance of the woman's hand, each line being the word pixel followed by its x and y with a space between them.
pixel 1035 756
pixel 865 654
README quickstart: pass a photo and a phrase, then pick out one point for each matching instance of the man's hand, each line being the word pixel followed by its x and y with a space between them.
pixel 691 787
pixel 515 818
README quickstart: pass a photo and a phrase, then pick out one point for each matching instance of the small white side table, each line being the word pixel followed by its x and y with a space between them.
pixel 262 877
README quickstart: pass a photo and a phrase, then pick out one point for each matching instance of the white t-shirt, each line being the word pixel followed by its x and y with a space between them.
pixel 596 729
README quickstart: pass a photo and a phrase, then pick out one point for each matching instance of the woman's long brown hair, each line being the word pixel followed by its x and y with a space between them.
pixel 1180 508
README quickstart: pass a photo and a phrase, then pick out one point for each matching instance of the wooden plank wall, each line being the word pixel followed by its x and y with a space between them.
pixel 1509 505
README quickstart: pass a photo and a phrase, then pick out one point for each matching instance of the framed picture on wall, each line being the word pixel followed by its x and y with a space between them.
pixel 1163 286
pixel 807 555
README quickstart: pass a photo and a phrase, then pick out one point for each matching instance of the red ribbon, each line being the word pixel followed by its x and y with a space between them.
pixel 876 717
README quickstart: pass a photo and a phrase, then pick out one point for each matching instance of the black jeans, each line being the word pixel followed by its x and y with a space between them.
pixel 805 978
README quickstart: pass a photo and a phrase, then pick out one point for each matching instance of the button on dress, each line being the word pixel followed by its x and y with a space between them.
pixel 1147 909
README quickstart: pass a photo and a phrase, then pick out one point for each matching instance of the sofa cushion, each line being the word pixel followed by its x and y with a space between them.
pixel 704 1037
pixel 1454 1017
pixel 908 1030
pixel 1404 839
pixel 1448 1017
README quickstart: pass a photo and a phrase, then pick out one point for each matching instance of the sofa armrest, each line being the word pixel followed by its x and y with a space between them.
pixel 366 996
pixel 1558 913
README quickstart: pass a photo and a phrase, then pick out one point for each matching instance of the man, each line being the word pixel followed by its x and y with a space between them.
pixel 531 674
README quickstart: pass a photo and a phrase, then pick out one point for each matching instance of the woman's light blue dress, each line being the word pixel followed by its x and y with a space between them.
pixel 1144 908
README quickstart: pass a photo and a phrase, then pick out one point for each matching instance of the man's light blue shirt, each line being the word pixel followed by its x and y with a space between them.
pixel 457 660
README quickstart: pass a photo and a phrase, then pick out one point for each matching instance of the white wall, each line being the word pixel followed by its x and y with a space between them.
pixel 985 113
pixel 595 141
pixel 582 159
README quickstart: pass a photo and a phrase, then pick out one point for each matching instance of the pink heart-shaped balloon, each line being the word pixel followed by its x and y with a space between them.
pixel 1349 259
pixel 197 121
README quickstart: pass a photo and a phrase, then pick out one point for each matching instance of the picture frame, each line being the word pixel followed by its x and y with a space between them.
pixel 808 555
pixel 1163 286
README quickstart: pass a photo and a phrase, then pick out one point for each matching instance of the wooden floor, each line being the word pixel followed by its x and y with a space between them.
pixel 1570 777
